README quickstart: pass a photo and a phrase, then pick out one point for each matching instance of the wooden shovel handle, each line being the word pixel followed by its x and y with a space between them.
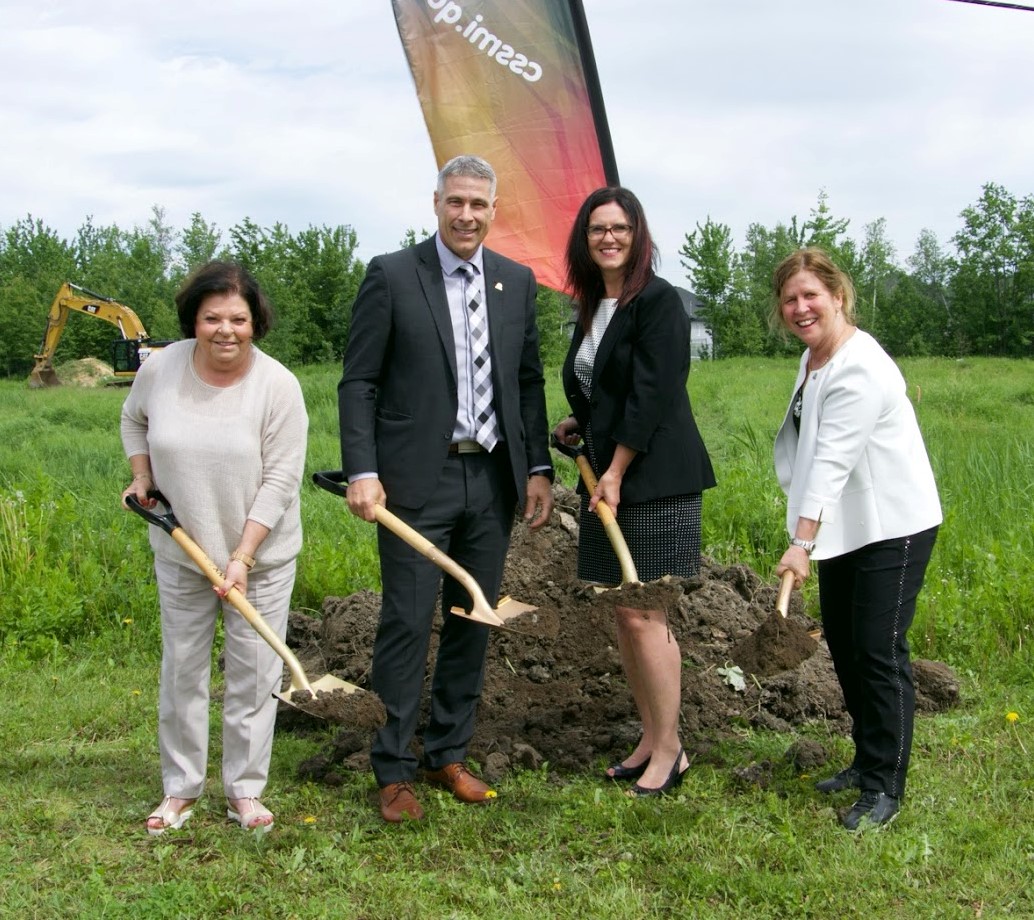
pixel 427 549
pixel 785 587
pixel 244 607
pixel 629 575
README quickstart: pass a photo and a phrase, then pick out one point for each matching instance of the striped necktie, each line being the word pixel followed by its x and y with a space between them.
pixel 485 428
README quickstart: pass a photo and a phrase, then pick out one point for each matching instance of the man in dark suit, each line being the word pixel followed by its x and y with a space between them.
pixel 443 421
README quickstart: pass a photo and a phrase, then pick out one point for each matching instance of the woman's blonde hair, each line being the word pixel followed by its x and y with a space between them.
pixel 814 260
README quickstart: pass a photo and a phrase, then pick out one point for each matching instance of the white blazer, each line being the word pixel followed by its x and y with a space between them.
pixel 859 466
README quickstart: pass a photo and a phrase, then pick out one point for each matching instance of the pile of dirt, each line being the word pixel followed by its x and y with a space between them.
pixel 86 372
pixel 556 691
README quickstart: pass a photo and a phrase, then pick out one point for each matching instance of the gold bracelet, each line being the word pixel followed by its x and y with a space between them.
pixel 239 556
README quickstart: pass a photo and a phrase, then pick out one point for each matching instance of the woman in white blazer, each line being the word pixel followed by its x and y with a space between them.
pixel 862 502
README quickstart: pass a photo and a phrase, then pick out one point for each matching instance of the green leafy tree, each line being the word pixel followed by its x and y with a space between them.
pixel 710 259
pixel 991 288
pixel 34 263
pixel 555 316
pixel 763 251
pixel 876 274
pixel 197 245
pixel 930 272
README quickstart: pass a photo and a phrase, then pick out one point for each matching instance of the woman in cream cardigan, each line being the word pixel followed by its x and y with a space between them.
pixel 861 502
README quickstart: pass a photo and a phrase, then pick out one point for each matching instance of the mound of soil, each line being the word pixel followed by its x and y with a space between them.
pixel 555 692
pixel 86 372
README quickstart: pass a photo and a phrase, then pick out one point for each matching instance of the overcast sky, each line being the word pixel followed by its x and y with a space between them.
pixel 304 112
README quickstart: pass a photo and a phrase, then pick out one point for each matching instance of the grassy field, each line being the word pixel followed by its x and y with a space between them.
pixel 79 646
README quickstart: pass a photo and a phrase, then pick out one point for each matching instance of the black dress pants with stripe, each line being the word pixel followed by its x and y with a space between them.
pixel 868 601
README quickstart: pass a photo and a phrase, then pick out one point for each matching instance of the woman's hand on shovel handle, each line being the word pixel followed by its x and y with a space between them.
pixel 609 486
pixel 568 432
pixel 236 577
pixel 138 489
pixel 796 560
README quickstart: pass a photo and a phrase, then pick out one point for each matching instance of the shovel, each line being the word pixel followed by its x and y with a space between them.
pixel 779 643
pixel 482 611
pixel 629 575
pixel 300 684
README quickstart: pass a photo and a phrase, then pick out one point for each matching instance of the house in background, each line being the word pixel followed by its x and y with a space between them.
pixel 700 342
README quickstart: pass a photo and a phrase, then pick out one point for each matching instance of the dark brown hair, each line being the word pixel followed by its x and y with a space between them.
pixel 584 278
pixel 218 277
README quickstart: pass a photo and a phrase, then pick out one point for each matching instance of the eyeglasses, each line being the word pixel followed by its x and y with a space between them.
pixel 618 231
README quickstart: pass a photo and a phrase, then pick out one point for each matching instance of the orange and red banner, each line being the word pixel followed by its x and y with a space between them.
pixel 514 81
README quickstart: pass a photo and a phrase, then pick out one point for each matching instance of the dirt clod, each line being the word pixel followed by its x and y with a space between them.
pixel 361 708
pixel 555 692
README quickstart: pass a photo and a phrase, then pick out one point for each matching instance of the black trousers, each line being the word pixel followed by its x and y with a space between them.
pixel 469 519
pixel 868 601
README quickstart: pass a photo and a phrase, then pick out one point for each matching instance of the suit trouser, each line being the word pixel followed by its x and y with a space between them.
pixel 868 601
pixel 469 518
pixel 190 609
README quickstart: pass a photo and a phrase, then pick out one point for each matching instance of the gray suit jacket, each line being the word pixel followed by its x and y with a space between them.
pixel 397 399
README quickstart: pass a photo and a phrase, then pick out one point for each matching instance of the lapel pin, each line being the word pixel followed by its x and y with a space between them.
pixel 499 285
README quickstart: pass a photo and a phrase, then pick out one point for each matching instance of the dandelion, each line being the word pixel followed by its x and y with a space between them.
pixel 556 884
pixel 1012 718
pixel 309 819
pixel 128 621
pixel 136 693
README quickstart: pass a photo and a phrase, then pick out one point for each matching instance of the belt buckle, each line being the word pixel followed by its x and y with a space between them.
pixel 468 447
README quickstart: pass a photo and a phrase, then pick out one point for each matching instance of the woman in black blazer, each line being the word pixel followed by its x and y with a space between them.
pixel 625 379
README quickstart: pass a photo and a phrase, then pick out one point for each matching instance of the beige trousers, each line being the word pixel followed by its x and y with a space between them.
pixel 189 612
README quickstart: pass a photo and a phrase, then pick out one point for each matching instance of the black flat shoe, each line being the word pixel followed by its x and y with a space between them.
pixel 674 779
pixel 849 778
pixel 872 807
pixel 620 771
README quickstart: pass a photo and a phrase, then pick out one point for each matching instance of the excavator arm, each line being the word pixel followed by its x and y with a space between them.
pixel 71 297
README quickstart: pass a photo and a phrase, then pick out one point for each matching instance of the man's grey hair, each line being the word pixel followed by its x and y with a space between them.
pixel 469 166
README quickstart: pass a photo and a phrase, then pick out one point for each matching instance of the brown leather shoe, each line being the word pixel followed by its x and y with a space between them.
pixel 461 783
pixel 398 803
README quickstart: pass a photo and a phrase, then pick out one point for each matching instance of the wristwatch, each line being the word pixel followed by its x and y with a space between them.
pixel 807 545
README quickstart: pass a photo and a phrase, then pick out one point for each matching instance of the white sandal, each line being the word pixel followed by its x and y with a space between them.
pixel 251 818
pixel 171 819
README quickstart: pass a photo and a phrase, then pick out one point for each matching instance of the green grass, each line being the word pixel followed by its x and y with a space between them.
pixel 79 645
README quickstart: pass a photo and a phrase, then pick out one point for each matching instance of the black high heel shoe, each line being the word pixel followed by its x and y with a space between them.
pixel 674 779
pixel 620 771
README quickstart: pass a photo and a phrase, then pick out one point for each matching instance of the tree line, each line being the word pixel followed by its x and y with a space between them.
pixel 977 298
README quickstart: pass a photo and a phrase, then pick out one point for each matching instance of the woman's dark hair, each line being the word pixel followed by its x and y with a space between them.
pixel 584 278
pixel 218 277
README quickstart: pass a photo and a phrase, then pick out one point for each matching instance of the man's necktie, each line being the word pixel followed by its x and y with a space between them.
pixel 485 428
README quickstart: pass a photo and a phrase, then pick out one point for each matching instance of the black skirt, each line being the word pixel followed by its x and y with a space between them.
pixel 663 537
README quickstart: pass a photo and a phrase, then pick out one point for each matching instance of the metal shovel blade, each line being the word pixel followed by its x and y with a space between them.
pixel 306 691
pixel 481 611
pixel 497 617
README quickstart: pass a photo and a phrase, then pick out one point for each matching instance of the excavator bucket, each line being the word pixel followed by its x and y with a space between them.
pixel 42 377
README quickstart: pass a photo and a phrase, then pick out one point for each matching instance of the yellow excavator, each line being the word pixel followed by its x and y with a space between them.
pixel 127 353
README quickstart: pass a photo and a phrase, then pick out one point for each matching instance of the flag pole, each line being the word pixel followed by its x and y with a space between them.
pixel 592 83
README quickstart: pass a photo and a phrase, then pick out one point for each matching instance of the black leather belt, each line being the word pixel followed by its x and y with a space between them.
pixel 466 447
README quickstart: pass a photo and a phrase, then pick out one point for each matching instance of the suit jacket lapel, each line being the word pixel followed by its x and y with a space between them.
pixel 429 272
